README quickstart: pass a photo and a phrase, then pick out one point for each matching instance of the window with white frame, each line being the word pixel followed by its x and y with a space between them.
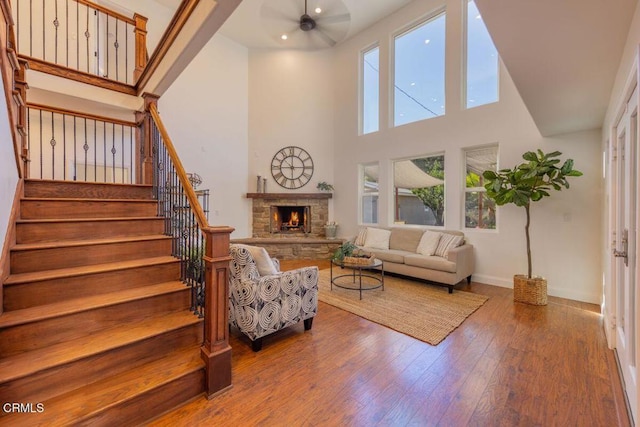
pixel 479 210
pixel 419 72
pixel 369 193
pixel 370 90
pixel 418 187
pixel 481 61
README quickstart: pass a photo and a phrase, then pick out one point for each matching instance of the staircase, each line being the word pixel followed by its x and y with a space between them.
pixel 96 325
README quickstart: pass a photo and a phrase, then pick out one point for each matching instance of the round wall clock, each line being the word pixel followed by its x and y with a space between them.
pixel 292 167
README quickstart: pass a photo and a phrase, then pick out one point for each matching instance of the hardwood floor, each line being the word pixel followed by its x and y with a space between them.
pixel 507 364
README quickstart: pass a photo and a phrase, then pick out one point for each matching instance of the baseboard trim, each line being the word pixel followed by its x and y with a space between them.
pixel 10 238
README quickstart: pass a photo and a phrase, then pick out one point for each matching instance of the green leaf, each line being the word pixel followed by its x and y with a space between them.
pixel 531 156
pixel 554 154
pixel 574 173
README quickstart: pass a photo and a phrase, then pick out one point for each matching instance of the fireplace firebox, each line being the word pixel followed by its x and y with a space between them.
pixel 290 219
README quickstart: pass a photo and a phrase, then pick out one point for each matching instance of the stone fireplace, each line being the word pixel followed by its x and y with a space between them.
pixel 289 214
pixel 291 225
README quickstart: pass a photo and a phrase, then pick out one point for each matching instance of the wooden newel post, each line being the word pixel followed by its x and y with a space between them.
pixel 141 45
pixel 215 350
pixel 144 141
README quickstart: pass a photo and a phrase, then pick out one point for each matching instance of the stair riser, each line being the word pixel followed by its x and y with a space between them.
pixel 62 379
pixel 50 232
pixel 151 404
pixel 36 335
pixel 76 256
pixel 64 209
pixel 85 190
pixel 56 290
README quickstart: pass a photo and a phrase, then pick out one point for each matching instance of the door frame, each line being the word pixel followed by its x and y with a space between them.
pixel 610 309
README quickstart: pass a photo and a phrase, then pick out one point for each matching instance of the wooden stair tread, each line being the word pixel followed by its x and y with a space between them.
pixel 38 276
pixel 99 219
pixel 93 399
pixel 24 364
pixel 84 200
pixel 94 242
pixel 78 305
pixel 37 181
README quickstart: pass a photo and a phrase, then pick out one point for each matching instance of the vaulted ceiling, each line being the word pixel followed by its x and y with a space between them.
pixel 563 55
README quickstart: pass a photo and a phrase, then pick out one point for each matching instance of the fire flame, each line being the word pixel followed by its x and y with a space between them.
pixel 294 218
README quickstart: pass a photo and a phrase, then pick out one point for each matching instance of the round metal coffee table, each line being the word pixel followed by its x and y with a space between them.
pixel 356 282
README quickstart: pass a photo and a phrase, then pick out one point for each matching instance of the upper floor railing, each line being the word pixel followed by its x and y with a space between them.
pixel 82 36
pixel 73 146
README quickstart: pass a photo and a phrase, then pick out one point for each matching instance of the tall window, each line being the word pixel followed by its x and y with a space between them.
pixel 419 72
pixel 479 210
pixel 370 90
pixel 369 193
pixel 482 61
pixel 419 190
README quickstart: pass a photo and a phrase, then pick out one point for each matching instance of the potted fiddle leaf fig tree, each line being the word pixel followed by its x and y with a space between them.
pixel 526 183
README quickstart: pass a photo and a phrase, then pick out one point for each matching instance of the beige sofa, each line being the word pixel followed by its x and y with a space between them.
pixel 403 257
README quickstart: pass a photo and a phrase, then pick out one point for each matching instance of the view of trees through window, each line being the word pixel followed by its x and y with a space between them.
pixel 480 211
pixel 419 191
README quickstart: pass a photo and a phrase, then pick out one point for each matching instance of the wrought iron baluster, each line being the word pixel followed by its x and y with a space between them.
pixel 85 147
pixel 113 152
pixel 117 46
pixel 41 154
pixel 52 142
pixel 56 24
pixel 67 29
pixel 95 150
pixel 77 36
pixel 31 31
pixel 87 35
pixel 44 31
pixel 75 150
pixel 64 147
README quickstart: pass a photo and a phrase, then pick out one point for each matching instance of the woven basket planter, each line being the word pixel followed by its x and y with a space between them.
pixel 530 291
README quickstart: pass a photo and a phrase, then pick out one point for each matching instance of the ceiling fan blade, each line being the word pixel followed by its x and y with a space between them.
pixel 272 13
pixel 335 19
pixel 325 37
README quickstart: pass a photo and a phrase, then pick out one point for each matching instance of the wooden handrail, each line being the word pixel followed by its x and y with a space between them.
pixel 182 175
pixel 107 11
pixel 80 114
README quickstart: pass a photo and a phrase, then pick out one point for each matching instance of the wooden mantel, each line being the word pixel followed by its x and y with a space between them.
pixel 289 195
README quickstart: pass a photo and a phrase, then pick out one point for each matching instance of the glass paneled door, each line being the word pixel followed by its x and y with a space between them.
pixel 625 165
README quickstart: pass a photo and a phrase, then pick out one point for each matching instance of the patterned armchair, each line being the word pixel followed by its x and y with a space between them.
pixel 262 304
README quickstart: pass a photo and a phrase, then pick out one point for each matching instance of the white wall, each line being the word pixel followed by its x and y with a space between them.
pixel 206 114
pixel 566 237
pixel 291 103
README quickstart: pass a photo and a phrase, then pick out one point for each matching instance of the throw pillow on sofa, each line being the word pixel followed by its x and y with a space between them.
pixel 429 243
pixel 448 242
pixel 361 238
pixel 377 238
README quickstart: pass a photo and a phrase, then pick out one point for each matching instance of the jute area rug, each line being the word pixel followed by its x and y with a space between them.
pixel 426 312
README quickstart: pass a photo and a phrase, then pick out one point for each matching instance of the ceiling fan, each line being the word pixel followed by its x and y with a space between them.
pixel 323 26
